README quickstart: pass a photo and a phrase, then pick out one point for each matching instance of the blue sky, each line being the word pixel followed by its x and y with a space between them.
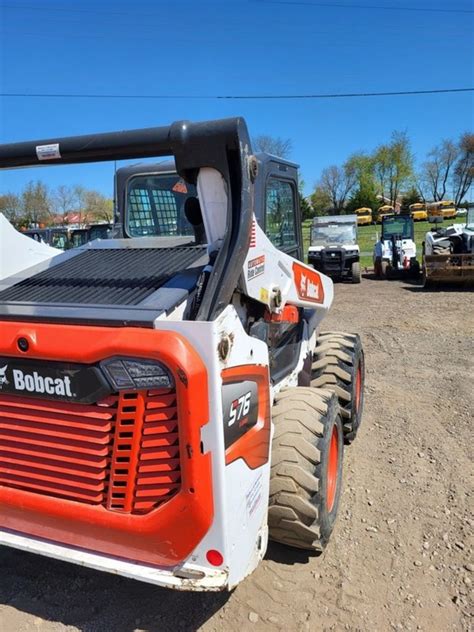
pixel 243 47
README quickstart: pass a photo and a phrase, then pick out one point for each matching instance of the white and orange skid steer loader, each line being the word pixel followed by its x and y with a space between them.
pixel 167 401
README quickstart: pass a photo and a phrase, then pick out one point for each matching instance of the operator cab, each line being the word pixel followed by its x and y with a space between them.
pixel 152 200
pixel 398 226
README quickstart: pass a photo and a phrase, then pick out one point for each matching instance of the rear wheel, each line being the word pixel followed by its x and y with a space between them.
pixel 378 266
pixel 414 268
pixel 384 266
pixel 356 272
pixel 306 472
pixel 339 365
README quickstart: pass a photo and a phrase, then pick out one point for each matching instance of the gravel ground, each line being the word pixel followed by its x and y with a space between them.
pixel 401 556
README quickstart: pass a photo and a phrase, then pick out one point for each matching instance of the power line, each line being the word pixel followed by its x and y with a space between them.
pixel 341 95
pixel 328 5
pixel 334 5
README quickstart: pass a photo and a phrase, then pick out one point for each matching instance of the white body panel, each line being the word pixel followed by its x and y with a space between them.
pixel 432 238
pixel 213 198
pixel 19 252
pixel 267 269
pixel 384 249
pixel 234 532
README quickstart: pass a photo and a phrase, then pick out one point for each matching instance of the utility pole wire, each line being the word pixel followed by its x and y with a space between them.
pixel 341 95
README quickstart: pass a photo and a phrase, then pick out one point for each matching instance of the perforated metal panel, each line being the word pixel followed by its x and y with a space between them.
pixel 105 276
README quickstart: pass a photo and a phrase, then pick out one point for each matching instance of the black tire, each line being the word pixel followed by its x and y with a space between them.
pixel 415 269
pixel 355 272
pixel 339 365
pixel 384 266
pixel 378 267
pixel 305 479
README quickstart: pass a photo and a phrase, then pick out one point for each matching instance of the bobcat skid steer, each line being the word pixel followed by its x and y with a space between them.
pixel 167 402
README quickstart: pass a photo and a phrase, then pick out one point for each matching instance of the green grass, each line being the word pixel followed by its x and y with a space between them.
pixel 367 236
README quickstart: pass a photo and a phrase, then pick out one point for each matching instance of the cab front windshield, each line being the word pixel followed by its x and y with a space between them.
pixel 155 206
pixel 332 234
pixel 397 227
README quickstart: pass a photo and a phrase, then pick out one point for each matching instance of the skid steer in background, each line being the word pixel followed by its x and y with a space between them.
pixel 167 400
pixel 395 252
pixel 448 254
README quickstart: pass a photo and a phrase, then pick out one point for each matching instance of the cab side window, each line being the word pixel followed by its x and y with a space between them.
pixel 280 213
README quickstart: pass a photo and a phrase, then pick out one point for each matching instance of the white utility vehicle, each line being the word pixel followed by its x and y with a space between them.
pixel 334 250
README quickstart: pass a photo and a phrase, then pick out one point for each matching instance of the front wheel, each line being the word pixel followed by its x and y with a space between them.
pixel 306 472
pixel 355 272
pixel 415 269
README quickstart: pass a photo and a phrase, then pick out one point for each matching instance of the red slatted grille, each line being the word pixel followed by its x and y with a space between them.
pixel 55 448
pixel 145 465
pixel 122 453
pixel 159 472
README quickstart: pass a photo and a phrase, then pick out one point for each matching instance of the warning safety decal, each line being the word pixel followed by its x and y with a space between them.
pixel 256 267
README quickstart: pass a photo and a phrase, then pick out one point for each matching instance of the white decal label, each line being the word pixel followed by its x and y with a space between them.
pixel 254 496
pixel 256 267
pixel 48 152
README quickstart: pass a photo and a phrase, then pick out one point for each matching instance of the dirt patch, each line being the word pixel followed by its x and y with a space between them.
pixel 401 556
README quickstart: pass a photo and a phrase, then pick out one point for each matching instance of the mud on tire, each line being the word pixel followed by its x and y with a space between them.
pixel 306 472
pixel 338 365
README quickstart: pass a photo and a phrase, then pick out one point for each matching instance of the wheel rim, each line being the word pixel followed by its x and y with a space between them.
pixel 333 466
pixel 358 387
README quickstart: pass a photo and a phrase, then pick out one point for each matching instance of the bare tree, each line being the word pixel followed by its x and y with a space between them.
pixel 463 176
pixel 10 206
pixel 275 145
pixel 97 207
pixel 436 171
pixel 67 199
pixel 338 182
pixel 36 203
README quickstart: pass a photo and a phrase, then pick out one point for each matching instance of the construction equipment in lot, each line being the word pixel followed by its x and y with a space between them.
pixel 448 254
pixel 167 401
pixel 65 237
pixel 333 247
pixel 395 251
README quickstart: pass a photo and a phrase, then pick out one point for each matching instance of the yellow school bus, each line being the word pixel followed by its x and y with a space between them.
pixel 386 209
pixel 364 215
pixel 418 212
pixel 444 208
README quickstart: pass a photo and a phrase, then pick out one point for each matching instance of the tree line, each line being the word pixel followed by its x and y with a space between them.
pixel 388 175
pixel 37 205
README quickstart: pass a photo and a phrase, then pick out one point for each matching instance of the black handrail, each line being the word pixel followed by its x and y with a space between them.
pixel 221 144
